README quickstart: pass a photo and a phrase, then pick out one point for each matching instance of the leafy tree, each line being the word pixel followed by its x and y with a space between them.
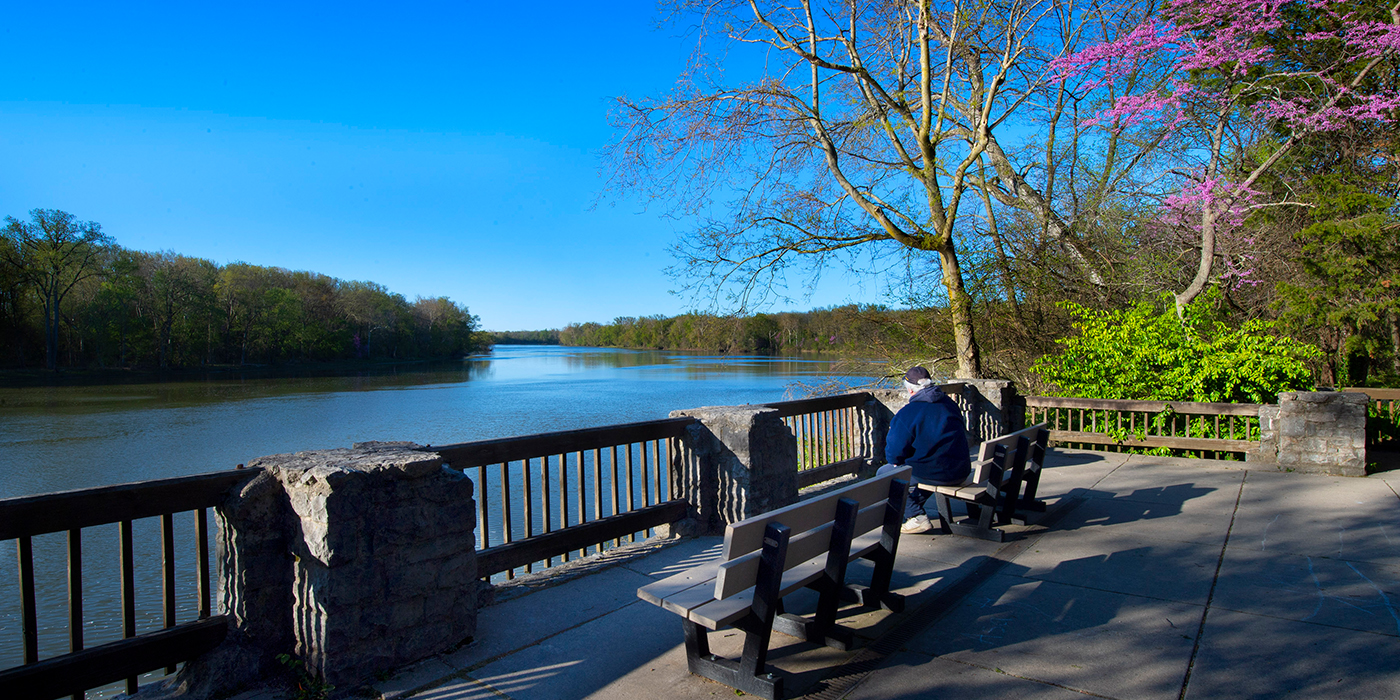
pixel 1351 253
pixel 1240 68
pixel 174 288
pixel 1146 354
pixel 52 253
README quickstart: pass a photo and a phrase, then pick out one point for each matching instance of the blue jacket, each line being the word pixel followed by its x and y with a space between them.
pixel 930 436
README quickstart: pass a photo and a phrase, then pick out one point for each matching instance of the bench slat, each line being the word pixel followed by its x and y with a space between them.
pixel 737 574
pixel 964 492
pixel 721 613
pixel 1008 441
pixel 683 602
pixel 657 592
pixel 747 535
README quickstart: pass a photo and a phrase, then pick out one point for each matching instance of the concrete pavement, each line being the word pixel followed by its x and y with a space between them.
pixel 1156 578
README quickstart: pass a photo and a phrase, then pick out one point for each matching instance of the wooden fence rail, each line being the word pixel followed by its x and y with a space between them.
pixel 23 518
pixel 828 432
pixel 542 499
pixel 1178 425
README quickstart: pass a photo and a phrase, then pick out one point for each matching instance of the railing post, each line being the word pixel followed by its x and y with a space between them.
pixel 1322 432
pixel 736 462
pixel 356 561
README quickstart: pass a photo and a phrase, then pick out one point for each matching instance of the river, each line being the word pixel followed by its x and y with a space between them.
pixel 55 438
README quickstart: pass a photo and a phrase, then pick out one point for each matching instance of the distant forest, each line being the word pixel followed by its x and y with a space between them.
pixel 71 297
pixel 549 337
pixel 846 329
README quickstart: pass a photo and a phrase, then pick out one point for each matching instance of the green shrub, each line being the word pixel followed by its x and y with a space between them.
pixel 1148 353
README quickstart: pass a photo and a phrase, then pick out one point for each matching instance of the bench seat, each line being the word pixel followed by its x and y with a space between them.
pixel 766 557
pixel 690 594
pixel 1000 489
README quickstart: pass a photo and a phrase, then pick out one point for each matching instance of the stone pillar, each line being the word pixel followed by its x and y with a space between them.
pixel 254 589
pixel 991 408
pixel 356 561
pixel 876 415
pixel 1267 452
pixel 737 462
pixel 1321 432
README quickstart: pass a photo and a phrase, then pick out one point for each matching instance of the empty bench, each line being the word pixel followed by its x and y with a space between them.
pixel 1001 488
pixel 766 557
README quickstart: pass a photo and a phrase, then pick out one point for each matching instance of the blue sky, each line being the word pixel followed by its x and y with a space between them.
pixel 438 149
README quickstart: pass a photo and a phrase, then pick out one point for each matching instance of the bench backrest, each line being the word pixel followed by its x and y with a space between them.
pixel 987 468
pixel 1008 441
pixel 811 522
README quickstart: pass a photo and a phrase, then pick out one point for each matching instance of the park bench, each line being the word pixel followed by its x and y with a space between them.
pixel 1001 488
pixel 766 557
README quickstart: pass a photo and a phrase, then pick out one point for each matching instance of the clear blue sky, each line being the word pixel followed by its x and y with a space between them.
pixel 438 149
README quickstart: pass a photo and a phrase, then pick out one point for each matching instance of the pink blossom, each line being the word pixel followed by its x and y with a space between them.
pixel 1227 38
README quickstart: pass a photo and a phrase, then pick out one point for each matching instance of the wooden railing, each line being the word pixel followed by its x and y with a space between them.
pixel 24 518
pixel 542 499
pixel 1211 429
pixel 828 432
pixel 1382 416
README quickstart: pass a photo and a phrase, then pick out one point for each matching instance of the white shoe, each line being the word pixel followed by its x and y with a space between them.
pixel 916 524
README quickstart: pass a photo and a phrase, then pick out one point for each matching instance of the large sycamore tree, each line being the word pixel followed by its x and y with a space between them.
pixel 807 133
pixel 52 253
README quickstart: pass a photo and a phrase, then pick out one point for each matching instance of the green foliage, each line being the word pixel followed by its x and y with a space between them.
pixel 850 329
pixel 308 686
pixel 128 308
pixel 544 337
pixel 1147 353
pixel 1351 252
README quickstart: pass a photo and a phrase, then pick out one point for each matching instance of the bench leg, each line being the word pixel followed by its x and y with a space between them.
pixel 747 674
pixel 945 512
pixel 878 594
pixel 727 671
pixel 1034 463
pixel 822 627
pixel 982 514
pixel 1028 502
pixel 825 630
pixel 697 645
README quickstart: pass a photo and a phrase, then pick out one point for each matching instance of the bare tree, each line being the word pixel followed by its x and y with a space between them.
pixel 53 252
pixel 862 128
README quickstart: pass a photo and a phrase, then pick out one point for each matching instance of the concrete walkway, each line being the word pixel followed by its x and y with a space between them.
pixel 1156 578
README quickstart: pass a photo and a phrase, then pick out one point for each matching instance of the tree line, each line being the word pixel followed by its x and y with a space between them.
pixel 545 337
pixel 1017 164
pixel 851 329
pixel 71 297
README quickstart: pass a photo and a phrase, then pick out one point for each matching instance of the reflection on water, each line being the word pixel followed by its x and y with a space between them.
pixel 55 438
pixel 70 436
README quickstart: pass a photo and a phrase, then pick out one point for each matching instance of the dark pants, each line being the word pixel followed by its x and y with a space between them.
pixel 914 505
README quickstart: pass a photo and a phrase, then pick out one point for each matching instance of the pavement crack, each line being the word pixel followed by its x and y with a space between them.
pixel 1214 582
pixel 1004 672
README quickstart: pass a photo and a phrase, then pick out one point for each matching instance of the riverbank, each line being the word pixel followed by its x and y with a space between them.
pixel 97 376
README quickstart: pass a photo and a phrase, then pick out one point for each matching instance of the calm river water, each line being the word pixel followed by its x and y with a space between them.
pixel 68 437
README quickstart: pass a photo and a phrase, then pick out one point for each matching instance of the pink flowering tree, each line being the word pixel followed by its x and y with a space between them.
pixel 1249 80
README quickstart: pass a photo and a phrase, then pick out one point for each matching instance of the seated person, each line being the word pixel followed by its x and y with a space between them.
pixel 930 436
